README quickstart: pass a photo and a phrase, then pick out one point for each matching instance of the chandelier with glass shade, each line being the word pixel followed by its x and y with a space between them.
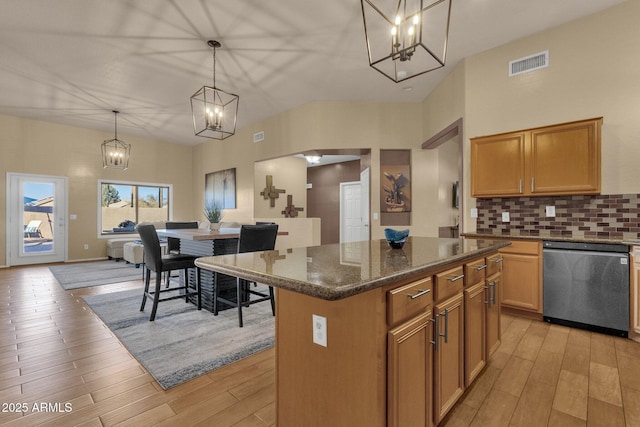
pixel 115 153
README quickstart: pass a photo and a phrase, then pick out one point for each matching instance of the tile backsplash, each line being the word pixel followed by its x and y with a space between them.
pixel 614 216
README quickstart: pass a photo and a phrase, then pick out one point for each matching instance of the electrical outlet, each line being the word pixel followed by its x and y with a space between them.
pixel 86 246
pixel 505 217
pixel 319 330
pixel 550 211
pixel 474 212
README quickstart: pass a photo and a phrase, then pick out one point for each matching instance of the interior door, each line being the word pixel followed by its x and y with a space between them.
pixel 37 211
pixel 364 204
pixel 351 226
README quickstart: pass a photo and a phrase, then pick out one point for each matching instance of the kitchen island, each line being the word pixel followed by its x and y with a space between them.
pixel 341 315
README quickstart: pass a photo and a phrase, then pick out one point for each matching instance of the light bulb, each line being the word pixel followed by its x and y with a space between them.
pixel 398 20
pixel 416 19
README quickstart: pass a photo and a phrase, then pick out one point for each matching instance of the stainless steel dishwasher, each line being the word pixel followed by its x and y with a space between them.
pixel 586 285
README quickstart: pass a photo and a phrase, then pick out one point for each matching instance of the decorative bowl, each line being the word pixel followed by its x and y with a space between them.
pixel 396 238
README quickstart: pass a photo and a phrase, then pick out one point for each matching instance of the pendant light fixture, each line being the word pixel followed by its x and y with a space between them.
pixel 406 38
pixel 214 111
pixel 115 153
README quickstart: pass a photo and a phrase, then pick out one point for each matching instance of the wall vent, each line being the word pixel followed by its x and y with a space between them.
pixel 258 137
pixel 529 63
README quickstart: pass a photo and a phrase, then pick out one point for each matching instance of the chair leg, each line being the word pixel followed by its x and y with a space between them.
pixel 215 294
pixel 146 290
pixel 239 300
pixel 186 285
pixel 198 288
pixel 273 301
pixel 156 296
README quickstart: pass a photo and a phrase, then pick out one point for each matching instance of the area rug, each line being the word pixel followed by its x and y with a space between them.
pixel 84 274
pixel 183 343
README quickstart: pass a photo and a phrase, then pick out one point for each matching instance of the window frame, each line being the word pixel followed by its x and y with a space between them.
pixel 101 182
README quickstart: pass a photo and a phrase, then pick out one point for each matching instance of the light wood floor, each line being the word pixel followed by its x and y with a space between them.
pixel 55 351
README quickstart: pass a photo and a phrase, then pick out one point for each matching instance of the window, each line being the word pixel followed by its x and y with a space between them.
pixel 124 205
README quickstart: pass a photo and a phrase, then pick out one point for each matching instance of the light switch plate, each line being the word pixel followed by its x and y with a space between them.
pixel 550 211
pixel 505 217
pixel 474 212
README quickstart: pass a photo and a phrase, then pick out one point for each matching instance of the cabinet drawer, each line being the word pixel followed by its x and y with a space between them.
pixel 474 272
pixel 494 264
pixel 523 247
pixel 449 283
pixel 408 300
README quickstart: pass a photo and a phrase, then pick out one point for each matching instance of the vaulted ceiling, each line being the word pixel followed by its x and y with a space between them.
pixel 73 61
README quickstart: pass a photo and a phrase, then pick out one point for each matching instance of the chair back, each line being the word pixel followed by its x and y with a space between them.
pixel 173 244
pixel 151 244
pixel 255 238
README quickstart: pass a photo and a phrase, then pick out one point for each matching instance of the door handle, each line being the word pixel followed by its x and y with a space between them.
pixel 495 285
pixel 446 325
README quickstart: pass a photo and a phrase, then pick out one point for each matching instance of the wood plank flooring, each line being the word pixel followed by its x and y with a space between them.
pixel 65 368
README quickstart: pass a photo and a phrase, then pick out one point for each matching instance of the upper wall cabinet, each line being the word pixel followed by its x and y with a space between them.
pixel 553 160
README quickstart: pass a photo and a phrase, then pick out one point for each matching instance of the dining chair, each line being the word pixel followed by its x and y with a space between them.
pixel 253 238
pixel 158 263
pixel 173 243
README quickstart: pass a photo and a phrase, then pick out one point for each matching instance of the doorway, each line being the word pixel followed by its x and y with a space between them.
pixel 37 211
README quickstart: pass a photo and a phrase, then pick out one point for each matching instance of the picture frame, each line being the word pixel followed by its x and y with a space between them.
pixel 220 188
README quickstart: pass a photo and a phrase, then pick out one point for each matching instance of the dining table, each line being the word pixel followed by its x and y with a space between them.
pixel 203 242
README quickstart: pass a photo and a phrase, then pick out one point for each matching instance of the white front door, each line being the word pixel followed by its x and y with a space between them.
pixel 351 225
pixel 37 212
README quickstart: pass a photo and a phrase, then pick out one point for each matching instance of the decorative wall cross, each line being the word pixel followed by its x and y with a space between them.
pixel 271 192
pixel 291 211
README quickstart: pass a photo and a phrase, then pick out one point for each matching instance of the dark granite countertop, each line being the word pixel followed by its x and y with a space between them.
pixel 548 236
pixel 337 271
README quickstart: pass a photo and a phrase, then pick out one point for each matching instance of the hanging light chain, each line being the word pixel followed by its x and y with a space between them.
pixel 214 66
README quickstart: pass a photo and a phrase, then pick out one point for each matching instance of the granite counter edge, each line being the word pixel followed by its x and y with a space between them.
pixel 553 238
pixel 345 291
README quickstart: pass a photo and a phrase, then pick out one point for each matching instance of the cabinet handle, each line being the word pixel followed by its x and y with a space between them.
pixel 436 335
pixel 481 267
pixel 495 285
pixel 420 293
pixel 533 180
pixel 446 325
pixel 488 301
pixel 520 186
pixel 498 260
pixel 453 279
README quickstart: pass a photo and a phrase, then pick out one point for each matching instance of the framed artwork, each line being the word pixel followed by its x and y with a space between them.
pixel 220 188
pixel 395 184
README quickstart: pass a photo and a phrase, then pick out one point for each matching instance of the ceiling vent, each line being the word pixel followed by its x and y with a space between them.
pixel 529 63
pixel 258 137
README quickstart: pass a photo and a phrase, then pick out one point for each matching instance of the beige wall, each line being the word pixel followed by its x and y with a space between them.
pixel 326 125
pixel 290 174
pixel 37 147
pixel 593 72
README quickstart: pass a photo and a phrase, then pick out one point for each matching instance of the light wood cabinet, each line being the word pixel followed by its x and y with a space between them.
pixel 494 332
pixel 409 355
pixel 475 330
pixel 522 276
pixel 635 294
pixel 448 355
pixel 552 160
pixel 409 373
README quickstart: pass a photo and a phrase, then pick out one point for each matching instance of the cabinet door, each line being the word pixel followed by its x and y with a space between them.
pixel 493 314
pixel 448 355
pixel 409 373
pixel 521 282
pixel 474 330
pixel 497 165
pixel 565 159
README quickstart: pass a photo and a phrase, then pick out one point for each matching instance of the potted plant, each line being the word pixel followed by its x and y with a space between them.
pixel 213 213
